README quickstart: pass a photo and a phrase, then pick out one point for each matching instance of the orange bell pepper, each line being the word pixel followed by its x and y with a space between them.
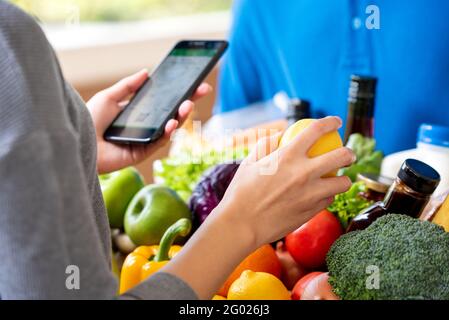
pixel 144 261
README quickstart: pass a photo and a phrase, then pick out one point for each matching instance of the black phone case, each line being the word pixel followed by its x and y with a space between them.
pixel 158 134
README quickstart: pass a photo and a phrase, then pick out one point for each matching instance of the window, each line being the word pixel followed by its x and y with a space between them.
pixel 101 41
pixel 59 11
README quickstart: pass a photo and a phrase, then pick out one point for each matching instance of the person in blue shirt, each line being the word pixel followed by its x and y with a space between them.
pixel 309 49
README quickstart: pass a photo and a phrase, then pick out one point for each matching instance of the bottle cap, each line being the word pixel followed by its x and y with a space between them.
pixel 375 182
pixel 298 109
pixel 419 176
pixel 362 87
pixel 434 134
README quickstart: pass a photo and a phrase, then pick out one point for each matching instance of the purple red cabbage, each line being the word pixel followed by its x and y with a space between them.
pixel 210 190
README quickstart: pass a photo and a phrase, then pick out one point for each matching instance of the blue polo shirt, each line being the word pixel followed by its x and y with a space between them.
pixel 310 48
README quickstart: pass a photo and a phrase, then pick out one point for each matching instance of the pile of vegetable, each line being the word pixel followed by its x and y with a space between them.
pixel 317 260
pixel 411 257
pixel 302 255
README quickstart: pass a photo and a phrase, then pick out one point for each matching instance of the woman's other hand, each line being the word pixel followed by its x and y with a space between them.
pixel 275 192
pixel 107 104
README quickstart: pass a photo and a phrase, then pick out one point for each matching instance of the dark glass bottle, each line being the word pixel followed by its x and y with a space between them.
pixel 361 100
pixel 409 194
pixel 298 109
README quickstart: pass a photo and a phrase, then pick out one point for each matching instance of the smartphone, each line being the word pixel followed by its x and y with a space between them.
pixel 175 80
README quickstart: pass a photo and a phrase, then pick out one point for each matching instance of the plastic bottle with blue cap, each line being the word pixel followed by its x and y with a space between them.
pixel 432 147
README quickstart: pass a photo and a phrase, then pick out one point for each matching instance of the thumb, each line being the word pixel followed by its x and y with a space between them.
pixel 125 87
pixel 107 104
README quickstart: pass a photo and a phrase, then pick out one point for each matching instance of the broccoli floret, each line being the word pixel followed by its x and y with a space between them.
pixel 410 258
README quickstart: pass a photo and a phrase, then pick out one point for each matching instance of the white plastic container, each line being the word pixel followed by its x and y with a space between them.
pixel 432 148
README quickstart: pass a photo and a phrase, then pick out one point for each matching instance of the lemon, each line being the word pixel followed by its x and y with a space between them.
pixel 328 142
pixel 258 286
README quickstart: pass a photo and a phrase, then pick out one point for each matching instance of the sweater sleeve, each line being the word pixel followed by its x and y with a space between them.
pixel 53 227
pixel 50 246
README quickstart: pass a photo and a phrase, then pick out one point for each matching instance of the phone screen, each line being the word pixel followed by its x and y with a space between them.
pixel 166 87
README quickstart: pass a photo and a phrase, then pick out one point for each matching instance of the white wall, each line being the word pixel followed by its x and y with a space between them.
pixel 98 53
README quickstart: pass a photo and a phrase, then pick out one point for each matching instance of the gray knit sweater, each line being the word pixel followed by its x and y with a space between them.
pixel 52 217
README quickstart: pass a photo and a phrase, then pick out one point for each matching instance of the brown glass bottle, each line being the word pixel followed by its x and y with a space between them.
pixel 409 194
pixel 361 99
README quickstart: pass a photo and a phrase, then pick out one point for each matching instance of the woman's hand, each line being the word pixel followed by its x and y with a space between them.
pixel 107 104
pixel 273 193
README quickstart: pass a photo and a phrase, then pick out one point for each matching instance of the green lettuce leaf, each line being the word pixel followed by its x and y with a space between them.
pixel 349 204
pixel 368 159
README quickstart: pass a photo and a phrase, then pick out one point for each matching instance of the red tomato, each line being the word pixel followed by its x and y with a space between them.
pixel 309 244
pixel 299 287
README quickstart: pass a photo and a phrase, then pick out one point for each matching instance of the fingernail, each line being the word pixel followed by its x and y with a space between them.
pixel 339 121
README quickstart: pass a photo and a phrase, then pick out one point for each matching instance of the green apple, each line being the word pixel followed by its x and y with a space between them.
pixel 118 189
pixel 151 212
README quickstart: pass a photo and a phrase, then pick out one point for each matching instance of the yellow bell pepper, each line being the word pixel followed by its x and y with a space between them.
pixel 144 261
